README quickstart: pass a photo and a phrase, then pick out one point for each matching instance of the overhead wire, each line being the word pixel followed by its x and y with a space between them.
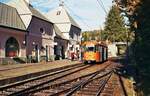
pixel 104 9
pixel 101 4
pixel 77 16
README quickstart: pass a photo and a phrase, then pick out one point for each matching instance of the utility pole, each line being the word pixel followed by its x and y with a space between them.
pixel 100 33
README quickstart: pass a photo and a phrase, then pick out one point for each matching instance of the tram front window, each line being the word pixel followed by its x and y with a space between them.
pixel 90 49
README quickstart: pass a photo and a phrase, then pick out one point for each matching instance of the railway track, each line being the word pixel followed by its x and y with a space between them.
pixel 96 84
pixel 101 83
pixel 74 81
pixel 4 78
pixel 90 86
pixel 113 87
pixel 17 87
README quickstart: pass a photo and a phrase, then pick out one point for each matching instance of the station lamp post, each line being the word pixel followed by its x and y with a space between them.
pixel 25 46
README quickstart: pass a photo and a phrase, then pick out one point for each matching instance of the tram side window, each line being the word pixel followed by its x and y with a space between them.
pixel 100 48
pixel 97 47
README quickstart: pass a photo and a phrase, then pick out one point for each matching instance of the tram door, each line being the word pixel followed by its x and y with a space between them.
pixel 105 53
pixel 101 53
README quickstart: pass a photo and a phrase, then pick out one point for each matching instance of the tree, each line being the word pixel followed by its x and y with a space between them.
pixel 114 26
pixel 92 35
pixel 138 12
pixel 85 36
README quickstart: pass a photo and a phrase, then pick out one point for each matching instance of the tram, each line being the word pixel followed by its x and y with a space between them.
pixel 94 52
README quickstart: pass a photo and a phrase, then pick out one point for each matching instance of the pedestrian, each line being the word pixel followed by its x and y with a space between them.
pixel 72 56
pixel 68 55
pixel 78 54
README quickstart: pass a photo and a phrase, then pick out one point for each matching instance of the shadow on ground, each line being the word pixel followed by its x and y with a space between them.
pixel 130 71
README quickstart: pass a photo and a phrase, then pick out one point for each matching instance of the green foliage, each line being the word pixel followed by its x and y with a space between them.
pixel 114 26
pixel 92 35
pixel 140 47
pixel 85 36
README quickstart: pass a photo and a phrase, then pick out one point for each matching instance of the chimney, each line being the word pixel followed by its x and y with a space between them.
pixel 61 3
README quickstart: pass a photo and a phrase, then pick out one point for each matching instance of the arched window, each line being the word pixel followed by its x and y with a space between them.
pixel 12 47
pixel 42 31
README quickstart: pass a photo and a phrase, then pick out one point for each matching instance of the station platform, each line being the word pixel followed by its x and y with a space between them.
pixel 18 72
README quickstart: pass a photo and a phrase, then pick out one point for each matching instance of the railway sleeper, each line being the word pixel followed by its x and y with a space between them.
pixel 106 94
pixel 89 90
pixel 49 91
pixel 85 93
pixel 108 91
pixel 39 94
pixel 94 84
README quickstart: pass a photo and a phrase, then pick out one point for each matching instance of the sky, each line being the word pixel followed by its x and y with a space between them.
pixel 87 13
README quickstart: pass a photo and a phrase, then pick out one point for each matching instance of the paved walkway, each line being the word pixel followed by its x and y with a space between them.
pixel 10 71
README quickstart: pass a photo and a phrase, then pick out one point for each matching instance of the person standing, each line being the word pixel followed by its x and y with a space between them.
pixel 68 55
pixel 72 56
pixel 78 54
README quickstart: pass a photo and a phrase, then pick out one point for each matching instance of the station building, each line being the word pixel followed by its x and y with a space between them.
pixel 40 34
pixel 61 43
pixel 25 32
pixel 12 33
pixel 68 27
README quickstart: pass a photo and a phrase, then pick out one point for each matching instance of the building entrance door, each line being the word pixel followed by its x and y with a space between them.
pixel 12 47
